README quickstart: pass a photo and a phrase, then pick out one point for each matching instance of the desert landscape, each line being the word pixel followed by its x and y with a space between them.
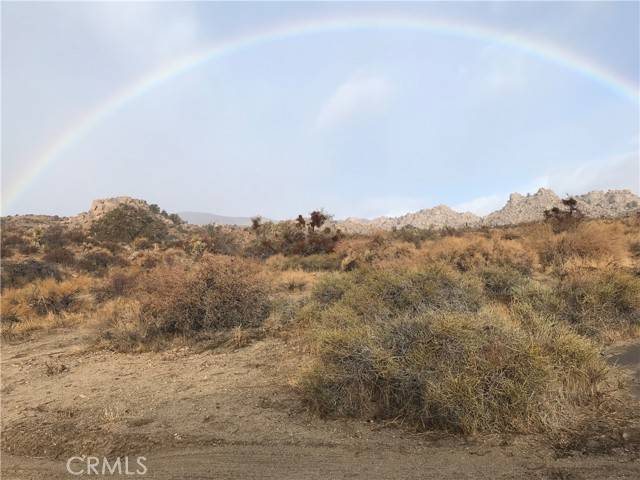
pixel 320 240
pixel 315 348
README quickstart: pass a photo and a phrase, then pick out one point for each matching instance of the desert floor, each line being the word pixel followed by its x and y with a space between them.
pixel 235 414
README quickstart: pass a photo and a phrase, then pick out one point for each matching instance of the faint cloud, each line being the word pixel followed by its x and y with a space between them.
pixel 490 203
pixel 148 30
pixel 621 172
pixel 360 94
pixel 481 205
pixel 502 69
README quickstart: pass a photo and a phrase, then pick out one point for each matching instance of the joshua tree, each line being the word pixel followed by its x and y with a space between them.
pixel 317 219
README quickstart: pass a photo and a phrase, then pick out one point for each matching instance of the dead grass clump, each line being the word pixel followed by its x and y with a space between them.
pixel 46 298
pixel 602 303
pixel 460 372
pixel 588 241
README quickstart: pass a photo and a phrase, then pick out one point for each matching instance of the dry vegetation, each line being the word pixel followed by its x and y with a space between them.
pixel 491 330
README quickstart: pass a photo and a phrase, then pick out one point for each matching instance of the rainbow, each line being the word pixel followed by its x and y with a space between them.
pixel 544 51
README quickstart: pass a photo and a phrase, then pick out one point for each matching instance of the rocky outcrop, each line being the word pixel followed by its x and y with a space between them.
pixel 530 208
pixel 612 203
pixel 102 206
pixel 524 208
pixel 436 218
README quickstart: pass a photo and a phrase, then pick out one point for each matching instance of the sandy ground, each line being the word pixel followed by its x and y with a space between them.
pixel 234 414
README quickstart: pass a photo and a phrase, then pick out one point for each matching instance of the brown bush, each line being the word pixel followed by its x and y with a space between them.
pixel 117 284
pixel 220 293
pixel 99 260
pixel 60 255
pixel 588 241
pixel 18 274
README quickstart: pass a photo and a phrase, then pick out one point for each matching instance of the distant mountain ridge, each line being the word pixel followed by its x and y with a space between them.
pixel 518 209
pixel 203 218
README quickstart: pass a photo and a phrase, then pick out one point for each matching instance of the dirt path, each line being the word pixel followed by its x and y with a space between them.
pixel 229 415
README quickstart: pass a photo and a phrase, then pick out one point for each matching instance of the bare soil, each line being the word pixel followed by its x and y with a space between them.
pixel 235 415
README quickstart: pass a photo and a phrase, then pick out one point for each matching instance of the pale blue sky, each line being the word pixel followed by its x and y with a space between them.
pixel 362 123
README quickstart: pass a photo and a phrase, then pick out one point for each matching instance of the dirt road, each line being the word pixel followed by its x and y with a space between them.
pixel 234 414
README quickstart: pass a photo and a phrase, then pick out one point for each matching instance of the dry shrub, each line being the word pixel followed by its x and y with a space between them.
pixel 46 298
pixel 602 303
pixel 599 240
pixel 142 243
pixel 220 293
pixel 502 282
pixel 290 238
pixel 118 283
pixel 460 372
pixel 293 280
pixel 383 293
pixel 60 255
pixel 311 263
pixel 284 313
pixel 99 260
pixel 126 222
pixel 473 251
pixel 376 250
pixel 10 242
pixel 18 274
pixel 54 237
pixel 123 326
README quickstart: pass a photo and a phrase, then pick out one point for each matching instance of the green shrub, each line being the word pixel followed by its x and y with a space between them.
pixel 125 223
